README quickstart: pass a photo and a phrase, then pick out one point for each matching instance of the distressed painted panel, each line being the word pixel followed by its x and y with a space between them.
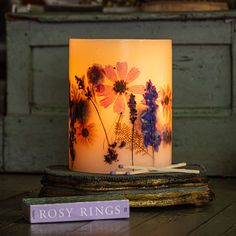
pixel 201 78
pixel 210 142
pixel 233 55
pixel 69 17
pixel 34 142
pixel 1 144
pixel 182 32
pixel 50 78
pixel 18 70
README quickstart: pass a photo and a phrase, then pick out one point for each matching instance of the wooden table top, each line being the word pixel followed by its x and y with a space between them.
pixel 218 218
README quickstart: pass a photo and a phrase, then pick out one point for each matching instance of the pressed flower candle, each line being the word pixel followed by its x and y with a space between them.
pixel 120 104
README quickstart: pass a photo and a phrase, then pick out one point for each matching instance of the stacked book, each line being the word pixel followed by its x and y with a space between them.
pixel 77 208
pixel 142 190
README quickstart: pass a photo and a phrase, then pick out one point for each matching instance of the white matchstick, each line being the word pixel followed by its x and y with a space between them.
pixel 137 172
pixel 164 171
pixel 182 164
pixel 178 171
pixel 128 172
pixel 121 166
pixel 159 171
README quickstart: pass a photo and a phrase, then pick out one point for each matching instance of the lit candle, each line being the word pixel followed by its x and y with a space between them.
pixel 120 104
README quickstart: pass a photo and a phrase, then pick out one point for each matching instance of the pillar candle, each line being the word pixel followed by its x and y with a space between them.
pixel 120 104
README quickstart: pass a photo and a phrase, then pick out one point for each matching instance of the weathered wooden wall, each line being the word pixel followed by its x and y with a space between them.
pixel 204 84
pixel 3 8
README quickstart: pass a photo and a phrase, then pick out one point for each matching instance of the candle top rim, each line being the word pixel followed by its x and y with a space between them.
pixel 120 39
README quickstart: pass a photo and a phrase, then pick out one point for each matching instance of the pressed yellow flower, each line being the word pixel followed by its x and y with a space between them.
pixel 166 102
pixel 85 133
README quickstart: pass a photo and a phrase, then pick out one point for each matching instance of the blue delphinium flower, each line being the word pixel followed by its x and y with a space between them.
pixel 148 117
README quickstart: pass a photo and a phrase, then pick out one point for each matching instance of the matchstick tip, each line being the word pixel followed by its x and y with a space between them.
pixel 121 166
pixel 113 173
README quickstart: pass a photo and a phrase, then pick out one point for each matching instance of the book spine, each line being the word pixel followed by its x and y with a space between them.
pixel 79 211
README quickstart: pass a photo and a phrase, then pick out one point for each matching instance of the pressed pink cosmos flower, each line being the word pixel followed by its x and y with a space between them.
pixel 121 88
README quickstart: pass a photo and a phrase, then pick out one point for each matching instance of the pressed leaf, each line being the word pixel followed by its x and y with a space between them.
pixel 123 133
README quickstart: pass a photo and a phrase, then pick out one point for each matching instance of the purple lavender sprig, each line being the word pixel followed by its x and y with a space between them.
pixel 133 117
pixel 167 136
pixel 149 120
pixel 95 74
pixel 132 107
pixel 111 155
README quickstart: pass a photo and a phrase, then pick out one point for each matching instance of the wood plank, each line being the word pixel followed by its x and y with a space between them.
pixel 176 222
pixel 192 141
pixel 137 217
pixel 2 95
pixel 10 207
pixel 34 142
pixel 219 224
pixel 10 210
pixel 23 228
pixel 233 53
pixel 114 227
pixel 207 76
pixel 87 17
pixel 181 32
pixel 230 231
pixel 200 140
pixel 182 220
pixel 206 84
pixel 13 184
pixel 1 144
pixel 14 187
pixel 18 70
pixel 154 221
pixel 201 112
pixel 50 79
pixel 12 222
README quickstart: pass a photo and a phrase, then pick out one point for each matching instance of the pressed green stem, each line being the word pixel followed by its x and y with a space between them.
pixel 142 149
pixel 118 122
pixel 132 143
pixel 153 157
pixel 100 118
